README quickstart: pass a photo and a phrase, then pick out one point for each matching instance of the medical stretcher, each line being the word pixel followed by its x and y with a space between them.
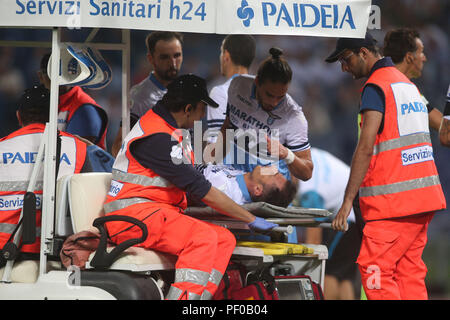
pixel 285 217
pixel 257 254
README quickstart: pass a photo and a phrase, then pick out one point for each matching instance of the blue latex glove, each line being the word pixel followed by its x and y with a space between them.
pixel 261 225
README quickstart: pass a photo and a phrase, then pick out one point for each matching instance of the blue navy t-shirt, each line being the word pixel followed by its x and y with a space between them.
pixel 372 98
pixel 79 126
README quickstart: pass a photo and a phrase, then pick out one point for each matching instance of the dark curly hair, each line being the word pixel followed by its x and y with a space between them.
pixel 275 68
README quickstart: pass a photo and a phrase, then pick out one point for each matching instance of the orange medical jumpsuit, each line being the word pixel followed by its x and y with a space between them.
pixel 203 249
pixel 399 194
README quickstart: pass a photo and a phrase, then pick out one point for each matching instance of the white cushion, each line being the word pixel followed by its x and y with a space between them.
pixel 63 223
pixel 24 271
pixel 27 271
pixel 139 259
pixel 87 193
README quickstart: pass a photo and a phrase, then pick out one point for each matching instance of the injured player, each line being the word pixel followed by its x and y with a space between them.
pixel 263 184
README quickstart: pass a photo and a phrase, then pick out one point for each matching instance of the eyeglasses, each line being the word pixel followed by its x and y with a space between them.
pixel 344 60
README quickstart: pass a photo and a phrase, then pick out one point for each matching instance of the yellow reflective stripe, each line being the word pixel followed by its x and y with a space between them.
pixel 175 294
pixel 401 142
pixel 206 295
pixel 19 185
pixel 9 228
pixel 215 277
pixel 399 186
pixel 140 179
pixel 192 276
pixel 123 203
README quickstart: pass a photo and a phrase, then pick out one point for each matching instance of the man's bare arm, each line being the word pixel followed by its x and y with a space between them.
pixel 360 164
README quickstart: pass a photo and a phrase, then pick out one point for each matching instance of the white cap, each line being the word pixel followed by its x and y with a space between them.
pixel 82 66
pixel 103 74
pixel 75 67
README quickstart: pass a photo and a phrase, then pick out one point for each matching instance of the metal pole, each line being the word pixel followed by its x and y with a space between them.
pixel 92 35
pixel 26 44
pixel 322 275
pixel 43 44
pixel 48 204
pixel 125 83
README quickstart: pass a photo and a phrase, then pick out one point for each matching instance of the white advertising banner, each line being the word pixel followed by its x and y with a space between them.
pixel 344 18
pixel 347 18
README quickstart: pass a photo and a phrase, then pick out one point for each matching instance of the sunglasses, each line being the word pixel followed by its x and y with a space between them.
pixel 344 60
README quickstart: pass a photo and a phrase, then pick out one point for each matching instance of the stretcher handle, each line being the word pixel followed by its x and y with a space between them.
pixel 288 229
pixel 326 225
pixel 313 223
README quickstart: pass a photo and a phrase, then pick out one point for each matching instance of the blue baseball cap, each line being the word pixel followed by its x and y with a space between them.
pixel 350 43
pixel 192 87
pixel 36 98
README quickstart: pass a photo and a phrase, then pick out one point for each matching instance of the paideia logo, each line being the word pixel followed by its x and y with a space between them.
pixel 245 13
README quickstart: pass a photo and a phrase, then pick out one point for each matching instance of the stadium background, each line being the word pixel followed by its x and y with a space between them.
pixel 329 97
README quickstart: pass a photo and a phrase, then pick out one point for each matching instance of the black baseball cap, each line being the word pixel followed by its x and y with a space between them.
pixel 191 87
pixel 36 97
pixel 350 43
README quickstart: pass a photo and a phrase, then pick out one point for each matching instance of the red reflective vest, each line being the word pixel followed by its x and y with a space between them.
pixel 18 153
pixel 132 183
pixel 402 179
pixel 70 102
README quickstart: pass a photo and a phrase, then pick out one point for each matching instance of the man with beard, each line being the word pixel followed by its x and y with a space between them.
pixel 165 55
pixel 407 51
pixel 260 105
pixel 259 185
pixel 394 173
pixel 152 186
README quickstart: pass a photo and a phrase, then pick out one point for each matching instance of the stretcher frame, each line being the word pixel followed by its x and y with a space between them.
pixel 309 264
